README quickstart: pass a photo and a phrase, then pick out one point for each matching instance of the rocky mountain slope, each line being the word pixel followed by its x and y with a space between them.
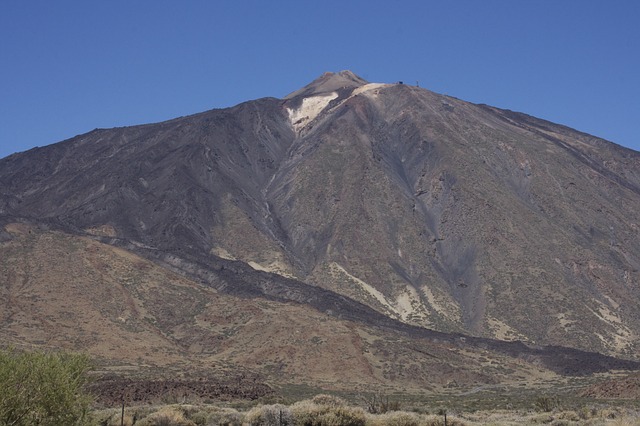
pixel 138 318
pixel 391 202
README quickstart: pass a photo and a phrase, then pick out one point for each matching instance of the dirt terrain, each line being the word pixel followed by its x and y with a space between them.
pixel 619 388
pixel 144 322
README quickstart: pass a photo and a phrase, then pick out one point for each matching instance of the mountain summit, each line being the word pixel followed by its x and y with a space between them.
pixel 329 82
pixel 386 204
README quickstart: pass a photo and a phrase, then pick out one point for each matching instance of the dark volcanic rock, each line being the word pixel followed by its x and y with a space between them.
pixel 429 210
pixel 113 391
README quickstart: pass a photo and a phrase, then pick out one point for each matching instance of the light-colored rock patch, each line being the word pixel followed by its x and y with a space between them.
pixel 447 309
pixel 103 231
pixel 615 304
pixel 223 253
pixel 623 337
pixel 410 306
pixel 311 107
pixel 564 322
pixel 503 331
pixel 369 89
pixel 274 267
pixel 335 267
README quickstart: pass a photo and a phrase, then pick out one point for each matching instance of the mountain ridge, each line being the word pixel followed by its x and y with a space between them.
pixel 430 211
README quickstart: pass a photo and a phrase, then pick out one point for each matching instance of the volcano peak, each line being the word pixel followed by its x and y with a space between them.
pixel 330 82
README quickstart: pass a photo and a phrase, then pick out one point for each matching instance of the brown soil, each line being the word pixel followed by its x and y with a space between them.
pixel 626 388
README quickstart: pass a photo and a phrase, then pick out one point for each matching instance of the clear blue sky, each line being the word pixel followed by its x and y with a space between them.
pixel 68 67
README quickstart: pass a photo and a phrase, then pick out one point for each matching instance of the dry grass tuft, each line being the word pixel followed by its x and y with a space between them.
pixel 394 418
pixel 269 415
pixel 310 413
pixel 167 416
pixel 329 410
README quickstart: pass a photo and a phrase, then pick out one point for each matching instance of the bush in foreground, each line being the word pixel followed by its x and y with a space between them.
pixel 167 416
pixel 327 411
pixel 40 388
pixel 395 418
pixel 269 415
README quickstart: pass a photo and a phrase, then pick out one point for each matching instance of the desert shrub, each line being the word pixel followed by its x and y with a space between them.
pixel 269 415
pixel 560 422
pixel 225 417
pixel 437 420
pixel 587 413
pixel 546 403
pixel 608 413
pixel 571 416
pixel 308 413
pixel 625 421
pixel 379 404
pixel 541 418
pixel 116 420
pixel 167 416
pixel 394 418
pixel 330 400
pixel 40 388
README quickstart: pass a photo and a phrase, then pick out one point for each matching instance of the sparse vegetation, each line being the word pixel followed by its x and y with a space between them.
pixel 546 403
pixel 167 416
pixel 269 415
pixel 324 410
pixel 329 410
pixel 395 418
pixel 40 388
pixel 380 404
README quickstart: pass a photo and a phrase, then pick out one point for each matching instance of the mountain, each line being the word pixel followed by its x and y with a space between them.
pixel 382 208
pixel 172 320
